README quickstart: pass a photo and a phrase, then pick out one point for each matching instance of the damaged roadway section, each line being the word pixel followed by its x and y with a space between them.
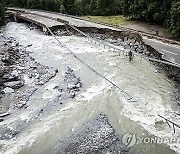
pixel 133 42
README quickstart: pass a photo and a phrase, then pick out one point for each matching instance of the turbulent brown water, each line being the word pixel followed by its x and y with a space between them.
pixel 40 132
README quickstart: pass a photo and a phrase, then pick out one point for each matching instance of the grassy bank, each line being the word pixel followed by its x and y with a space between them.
pixel 112 20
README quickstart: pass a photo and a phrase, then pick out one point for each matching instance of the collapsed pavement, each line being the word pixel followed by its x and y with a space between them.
pixel 134 42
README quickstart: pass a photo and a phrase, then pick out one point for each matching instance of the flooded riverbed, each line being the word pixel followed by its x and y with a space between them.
pixel 44 132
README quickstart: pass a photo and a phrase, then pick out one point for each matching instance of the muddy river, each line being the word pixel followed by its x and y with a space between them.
pixel 44 132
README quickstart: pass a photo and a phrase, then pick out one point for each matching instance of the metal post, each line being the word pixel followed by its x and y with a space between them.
pixel 168 124
pixel 174 129
pixel 15 19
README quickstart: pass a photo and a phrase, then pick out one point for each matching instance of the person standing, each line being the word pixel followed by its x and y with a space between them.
pixel 130 56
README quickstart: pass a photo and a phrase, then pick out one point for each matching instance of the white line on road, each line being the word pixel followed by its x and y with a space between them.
pixel 170 52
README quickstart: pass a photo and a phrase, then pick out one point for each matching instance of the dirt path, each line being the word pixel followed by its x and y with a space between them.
pixel 148 28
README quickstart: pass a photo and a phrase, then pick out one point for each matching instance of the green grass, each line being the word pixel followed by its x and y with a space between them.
pixel 113 20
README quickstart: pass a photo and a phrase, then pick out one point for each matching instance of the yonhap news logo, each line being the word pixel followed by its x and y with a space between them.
pixel 129 140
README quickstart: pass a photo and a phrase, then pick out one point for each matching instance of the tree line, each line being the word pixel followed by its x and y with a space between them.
pixel 163 12
pixel 2 10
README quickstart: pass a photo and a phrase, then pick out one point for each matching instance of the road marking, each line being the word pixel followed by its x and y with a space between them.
pixel 170 52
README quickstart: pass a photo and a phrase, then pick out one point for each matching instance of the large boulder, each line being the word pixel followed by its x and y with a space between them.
pixel 7 90
pixel 4 69
pixel 14 84
pixel 15 73
pixel 13 76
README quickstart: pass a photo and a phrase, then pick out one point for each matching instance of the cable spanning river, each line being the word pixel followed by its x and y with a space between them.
pixel 152 90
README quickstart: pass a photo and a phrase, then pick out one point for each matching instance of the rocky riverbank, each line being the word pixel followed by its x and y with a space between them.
pixel 68 88
pixel 20 75
pixel 95 136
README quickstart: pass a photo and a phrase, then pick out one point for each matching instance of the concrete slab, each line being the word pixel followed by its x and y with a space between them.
pixel 45 21
pixel 39 19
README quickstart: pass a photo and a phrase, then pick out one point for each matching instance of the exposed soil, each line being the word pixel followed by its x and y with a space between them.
pixel 149 28
pixel 152 30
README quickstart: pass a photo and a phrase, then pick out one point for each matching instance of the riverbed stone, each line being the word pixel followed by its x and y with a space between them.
pixel 15 73
pixel 95 136
pixel 14 84
pixel 7 90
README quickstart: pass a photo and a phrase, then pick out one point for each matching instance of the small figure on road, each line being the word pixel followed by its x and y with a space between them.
pixel 18 13
pixel 130 56
pixel 157 33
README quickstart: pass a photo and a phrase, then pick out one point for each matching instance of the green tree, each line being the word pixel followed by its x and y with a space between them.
pixel 62 8
pixel 85 7
pixel 118 7
pixel 21 3
pixel 78 8
pixel 2 10
pixel 93 7
pixel 174 26
pixel 69 6
pixel 34 4
pixel 106 7
pixel 103 7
